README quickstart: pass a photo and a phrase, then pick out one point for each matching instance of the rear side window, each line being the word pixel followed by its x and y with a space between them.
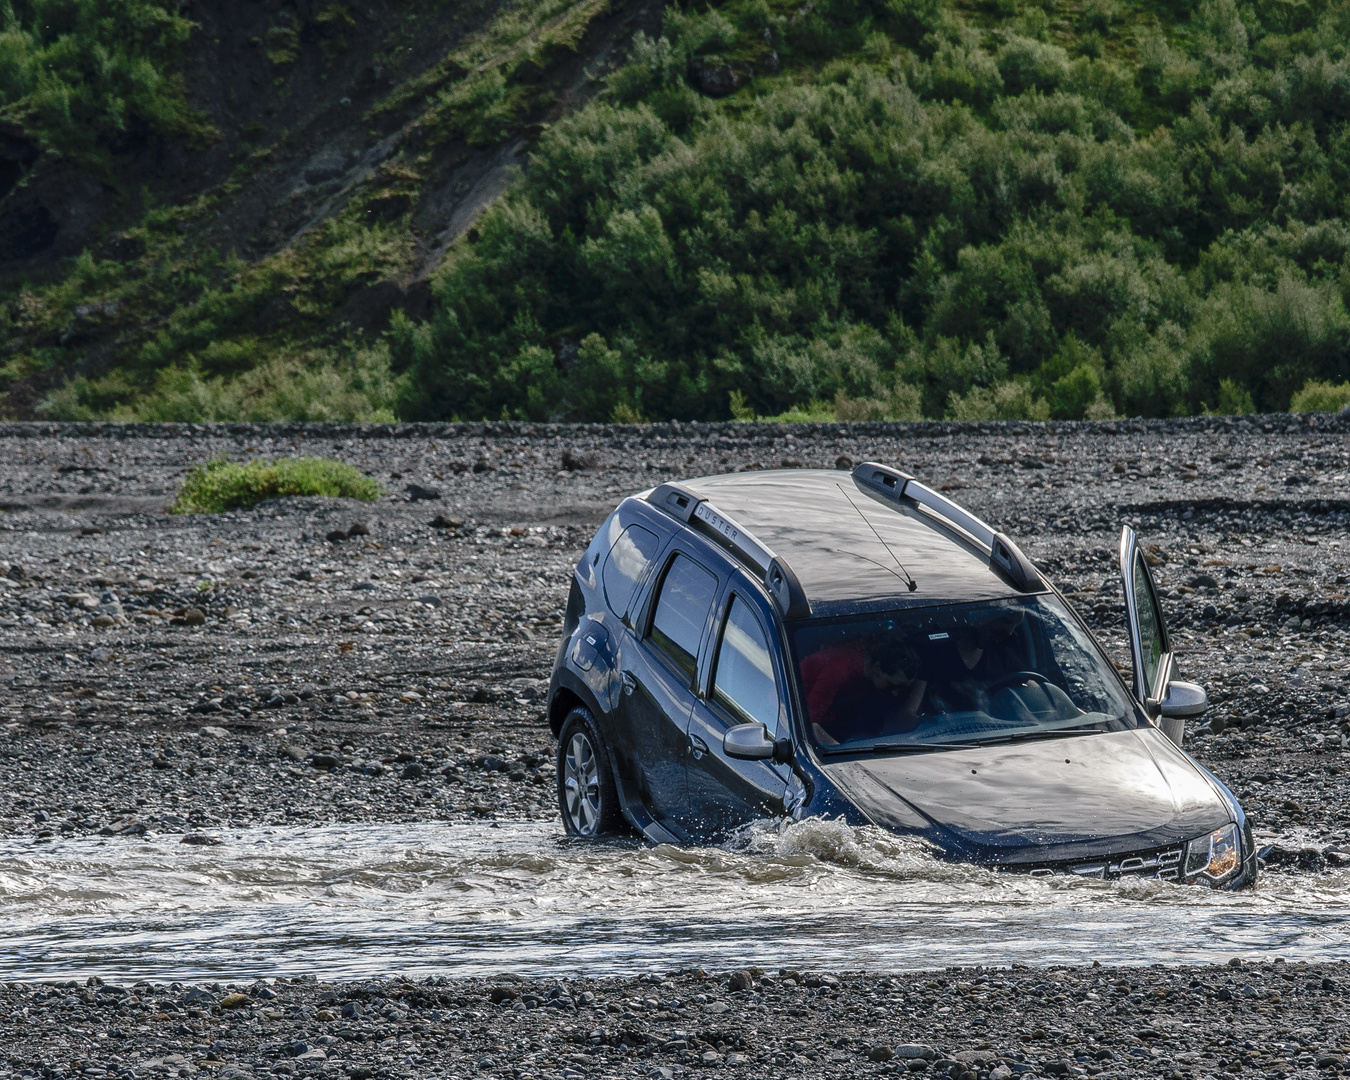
pixel 743 683
pixel 627 562
pixel 682 611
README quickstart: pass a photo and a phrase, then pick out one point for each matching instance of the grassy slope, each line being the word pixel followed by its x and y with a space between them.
pixel 236 306
pixel 228 299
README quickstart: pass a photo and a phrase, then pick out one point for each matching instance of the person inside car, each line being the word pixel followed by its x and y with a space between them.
pixel 974 674
pixel 976 655
pixel 855 693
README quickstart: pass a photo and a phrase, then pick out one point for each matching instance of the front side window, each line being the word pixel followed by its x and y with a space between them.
pixel 959 674
pixel 1150 627
pixel 627 562
pixel 682 611
pixel 743 682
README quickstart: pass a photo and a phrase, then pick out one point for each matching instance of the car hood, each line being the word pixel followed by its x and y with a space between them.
pixel 1072 797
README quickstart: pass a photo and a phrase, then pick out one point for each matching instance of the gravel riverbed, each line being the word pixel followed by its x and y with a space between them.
pixel 182 674
pixel 1271 1020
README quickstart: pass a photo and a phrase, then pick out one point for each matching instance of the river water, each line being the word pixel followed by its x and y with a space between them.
pixel 473 899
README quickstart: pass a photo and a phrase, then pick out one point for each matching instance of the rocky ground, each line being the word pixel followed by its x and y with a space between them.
pixel 1271 1020
pixel 180 674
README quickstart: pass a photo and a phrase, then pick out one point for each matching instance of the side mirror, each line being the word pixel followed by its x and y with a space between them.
pixel 748 742
pixel 1183 701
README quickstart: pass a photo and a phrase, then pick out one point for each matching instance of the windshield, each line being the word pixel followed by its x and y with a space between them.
pixel 961 674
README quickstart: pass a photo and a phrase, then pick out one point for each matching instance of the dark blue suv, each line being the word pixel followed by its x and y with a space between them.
pixel 823 643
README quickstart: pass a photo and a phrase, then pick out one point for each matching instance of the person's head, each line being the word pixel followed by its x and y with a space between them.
pixel 1000 628
pixel 890 664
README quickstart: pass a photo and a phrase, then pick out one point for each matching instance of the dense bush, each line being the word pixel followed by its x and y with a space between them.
pixel 1136 216
pixel 224 485
pixel 84 75
pixel 1321 397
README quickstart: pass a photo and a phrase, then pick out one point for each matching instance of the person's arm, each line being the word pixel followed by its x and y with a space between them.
pixel 913 699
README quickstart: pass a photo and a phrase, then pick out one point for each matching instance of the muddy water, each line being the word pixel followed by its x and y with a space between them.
pixel 350 901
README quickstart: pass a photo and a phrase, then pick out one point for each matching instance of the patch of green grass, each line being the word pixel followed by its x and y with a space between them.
pixel 226 485
pixel 471 93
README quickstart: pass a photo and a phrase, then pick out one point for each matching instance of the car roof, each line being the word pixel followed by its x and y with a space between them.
pixel 849 550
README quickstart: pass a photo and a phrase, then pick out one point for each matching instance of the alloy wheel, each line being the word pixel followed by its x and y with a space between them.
pixel 581 785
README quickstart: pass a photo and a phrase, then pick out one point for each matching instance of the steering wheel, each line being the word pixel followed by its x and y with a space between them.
pixel 1014 678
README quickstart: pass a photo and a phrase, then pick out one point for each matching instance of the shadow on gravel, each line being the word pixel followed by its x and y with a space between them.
pixel 104 504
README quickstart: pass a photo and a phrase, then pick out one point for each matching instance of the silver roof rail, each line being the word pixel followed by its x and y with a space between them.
pixel 901 488
pixel 692 509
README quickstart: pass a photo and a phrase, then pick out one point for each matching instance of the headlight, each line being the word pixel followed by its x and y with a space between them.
pixel 1216 856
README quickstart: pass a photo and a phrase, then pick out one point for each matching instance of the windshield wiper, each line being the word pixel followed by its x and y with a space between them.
pixel 1019 736
pixel 896 748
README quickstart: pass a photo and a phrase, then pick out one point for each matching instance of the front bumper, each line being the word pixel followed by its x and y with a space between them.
pixel 1160 864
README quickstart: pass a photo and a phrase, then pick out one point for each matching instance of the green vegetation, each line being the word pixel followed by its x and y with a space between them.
pixel 239 341
pixel 1321 397
pixel 848 209
pixel 83 74
pixel 187 329
pixel 472 94
pixel 901 404
pixel 224 485
pixel 1010 209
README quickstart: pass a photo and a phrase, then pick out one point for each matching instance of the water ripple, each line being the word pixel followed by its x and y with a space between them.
pixel 475 899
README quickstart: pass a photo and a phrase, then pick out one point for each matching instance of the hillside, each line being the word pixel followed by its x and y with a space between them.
pixel 220 219
pixel 861 208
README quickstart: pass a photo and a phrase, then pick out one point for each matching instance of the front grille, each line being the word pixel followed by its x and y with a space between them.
pixel 1164 864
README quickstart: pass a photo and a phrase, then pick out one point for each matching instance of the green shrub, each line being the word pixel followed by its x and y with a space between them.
pixel 1271 341
pixel 1234 399
pixel 903 402
pixel 1012 400
pixel 1321 397
pixel 80 73
pixel 929 199
pixel 810 412
pixel 1026 64
pixel 224 485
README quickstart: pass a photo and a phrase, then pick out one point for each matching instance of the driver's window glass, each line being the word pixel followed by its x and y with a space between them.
pixel 627 562
pixel 743 682
pixel 682 611
pixel 1150 626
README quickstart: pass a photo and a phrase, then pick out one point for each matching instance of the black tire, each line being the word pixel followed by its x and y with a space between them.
pixel 587 797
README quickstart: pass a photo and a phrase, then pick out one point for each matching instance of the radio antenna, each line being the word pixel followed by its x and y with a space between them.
pixel 908 579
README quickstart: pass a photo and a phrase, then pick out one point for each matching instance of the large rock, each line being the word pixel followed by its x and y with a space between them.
pixel 714 77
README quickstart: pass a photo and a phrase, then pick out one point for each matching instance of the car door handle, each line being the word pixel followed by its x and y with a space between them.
pixel 697 747
pixel 629 683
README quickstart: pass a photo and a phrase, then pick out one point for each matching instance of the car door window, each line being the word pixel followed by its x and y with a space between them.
pixel 743 681
pixel 682 611
pixel 627 562
pixel 1151 642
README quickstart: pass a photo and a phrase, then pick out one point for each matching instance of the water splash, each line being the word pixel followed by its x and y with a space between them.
pixel 352 901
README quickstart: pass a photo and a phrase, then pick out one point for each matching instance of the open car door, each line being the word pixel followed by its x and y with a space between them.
pixel 1167 700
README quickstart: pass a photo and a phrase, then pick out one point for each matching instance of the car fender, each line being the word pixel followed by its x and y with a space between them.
pixel 592 656
pixel 566 681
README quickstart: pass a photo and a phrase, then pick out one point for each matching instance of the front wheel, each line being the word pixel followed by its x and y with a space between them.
pixel 586 793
